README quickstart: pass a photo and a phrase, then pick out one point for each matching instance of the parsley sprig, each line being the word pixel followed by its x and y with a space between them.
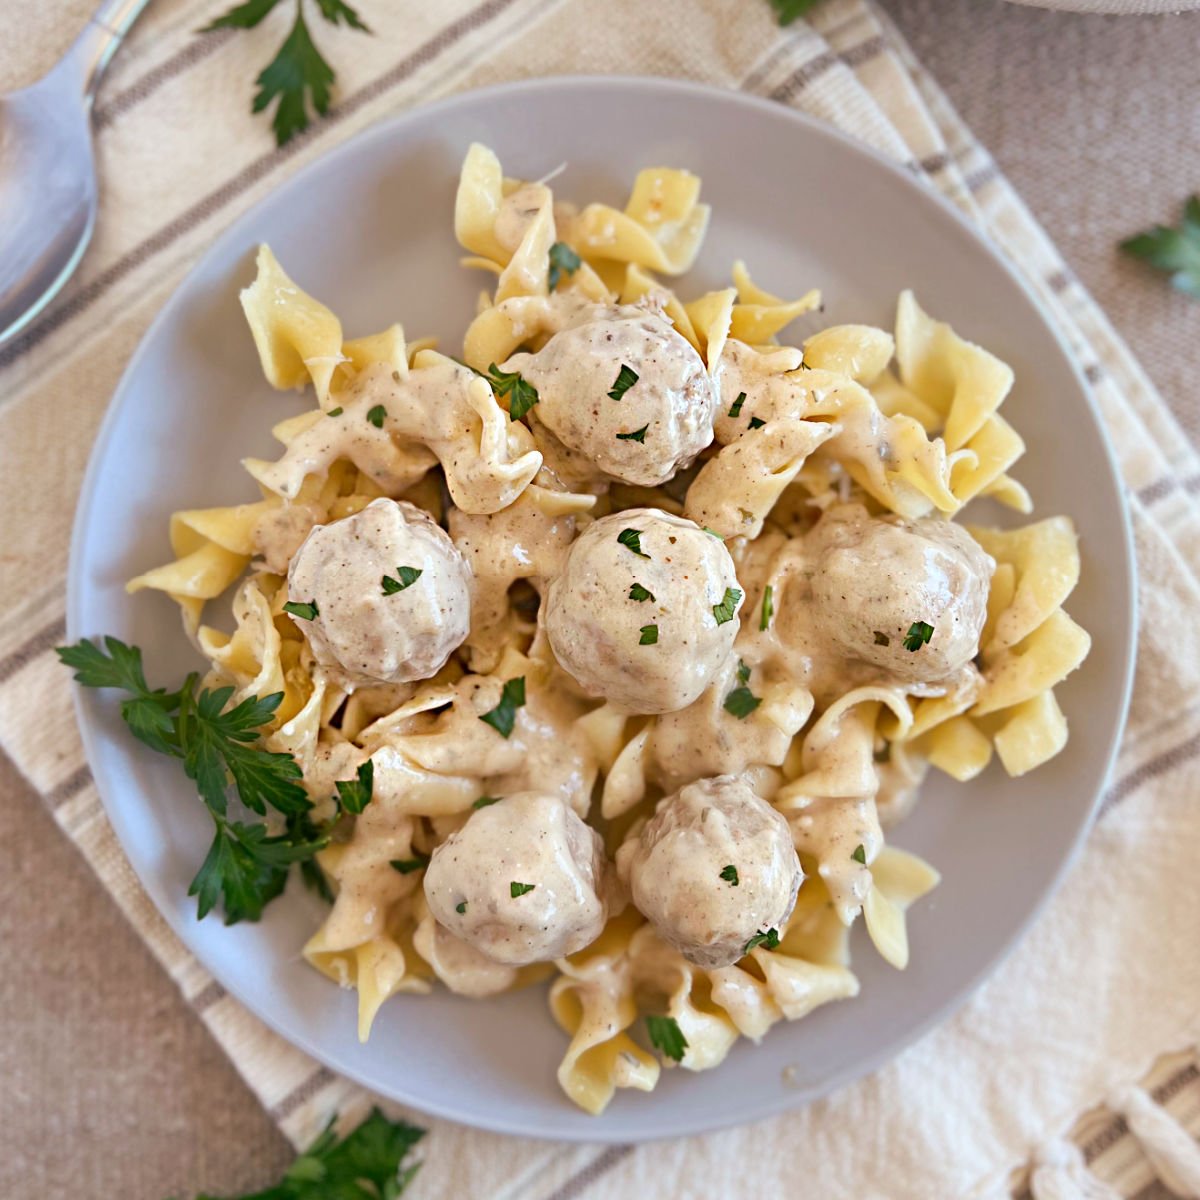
pixel 918 635
pixel 503 717
pixel 368 1164
pixel 666 1036
pixel 1174 250
pixel 788 10
pixel 562 259
pixel 246 865
pixel 298 75
pixel 522 395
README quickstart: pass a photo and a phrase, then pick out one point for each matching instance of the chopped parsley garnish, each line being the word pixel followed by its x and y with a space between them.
pixel 756 422
pixel 666 1037
pixel 504 715
pixel 649 635
pixel 1174 250
pixel 377 415
pixel 639 593
pixel 486 801
pixel 730 874
pixel 860 854
pixel 712 532
pixel 741 702
pixel 562 259
pixel 406 866
pixel 405 578
pixel 882 639
pixel 768 941
pixel 743 672
pixel 626 378
pixel 788 10
pixel 335 412
pixel 516 889
pixel 631 539
pixel 727 609
pixel 355 794
pixel 306 612
pixel 768 607
pixel 460 907
pixel 246 866
pixel 919 633
pixel 638 435
pixel 522 395
pixel 735 409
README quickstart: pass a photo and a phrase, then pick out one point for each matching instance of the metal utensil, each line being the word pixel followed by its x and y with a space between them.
pixel 47 173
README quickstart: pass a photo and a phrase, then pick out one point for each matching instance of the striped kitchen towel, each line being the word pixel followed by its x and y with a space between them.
pixel 1074 1069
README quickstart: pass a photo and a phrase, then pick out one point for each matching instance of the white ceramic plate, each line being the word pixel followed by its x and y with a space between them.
pixel 369 230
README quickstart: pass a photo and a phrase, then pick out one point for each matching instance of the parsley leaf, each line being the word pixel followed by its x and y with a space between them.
pixel 735 409
pixel 730 875
pixel 406 577
pixel 335 10
pixel 768 607
pixel 306 612
pixel 242 16
pixel 516 889
pixel 649 635
pixel 335 412
pixel 406 866
pixel 666 1036
pixel 741 702
pixel 788 10
pixel 522 396
pixel 355 794
pixel 727 609
pixel 756 422
pixel 743 672
pixel 639 593
pixel 1174 250
pixel 768 941
pixel 503 717
pixel 486 801
pixel 860 854
pixel 460 907
pixel 712 532
pixel 631 539
pixel 626 378
pixel 377 415
pixel 919 633
pixel 638 435
pixel 562 258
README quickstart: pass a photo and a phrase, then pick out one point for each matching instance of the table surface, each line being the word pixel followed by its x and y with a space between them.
pixel 112 1085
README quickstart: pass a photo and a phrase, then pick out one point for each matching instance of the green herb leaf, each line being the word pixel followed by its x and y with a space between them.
pixel 306 612
pixel 631 539
pixel 788 10
pixel 1174 250
pixel 638 435
pixel 741 702
pixel 919 633
pixel 768 941
pixel 335 412
pixel 768 607
pixel 377 415
pixel 406 577
pixel 649 635
pixel 460 907
pixel 730 874
pixel 516 889
pixel 242 16
pixel 756 422
pixel 297 75
pixel 503 717
pixel 666 1037
pixel 743 672
pixel 860 854
pixel 355 794
pixel 406 866
pixel 735 409
pixel 639 593
pixel 522 396
pixel 562 259
pixel 882 639
pixel 727 609
pixel 626 378
pixel 338 10
pixel 713 533
pixel 486 801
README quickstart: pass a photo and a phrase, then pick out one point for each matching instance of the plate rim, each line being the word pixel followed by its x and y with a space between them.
pixel 92 735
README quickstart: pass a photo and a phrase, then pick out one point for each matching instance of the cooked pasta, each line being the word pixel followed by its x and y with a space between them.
pixel 639 628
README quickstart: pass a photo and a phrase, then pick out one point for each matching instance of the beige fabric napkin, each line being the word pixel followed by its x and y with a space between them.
pixel 1107 981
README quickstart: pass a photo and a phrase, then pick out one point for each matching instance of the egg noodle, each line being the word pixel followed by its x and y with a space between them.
pixel 837 654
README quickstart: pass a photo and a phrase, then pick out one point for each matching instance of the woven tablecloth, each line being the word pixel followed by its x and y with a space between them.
pixel 1042 1067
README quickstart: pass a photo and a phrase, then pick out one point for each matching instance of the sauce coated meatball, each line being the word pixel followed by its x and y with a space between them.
pixel 633 615
pixel 874 579
pixel 369 630
pixel 623 388
pixel 523 881
pixel 714 866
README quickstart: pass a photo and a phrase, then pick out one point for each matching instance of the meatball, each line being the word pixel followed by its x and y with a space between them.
pixel 623 388
pixel 714 866
pixel 523 881
pixel 874 580
pixel 388 591
pixel 644 611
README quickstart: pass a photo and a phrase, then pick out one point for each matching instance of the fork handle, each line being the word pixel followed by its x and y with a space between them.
pixel 99 40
